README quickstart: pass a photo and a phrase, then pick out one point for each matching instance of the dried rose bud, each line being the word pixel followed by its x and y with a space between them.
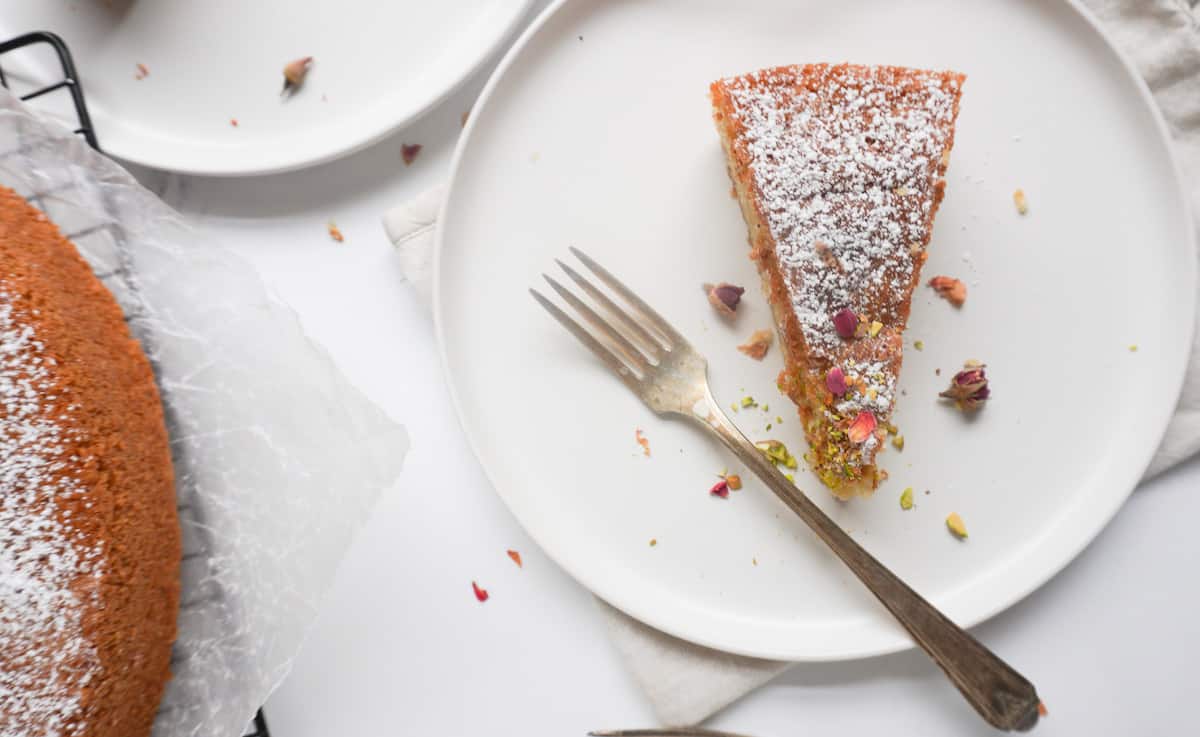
pixel 756 347
pixel 724 297
pixel 861 428
pixel 294 74
pixel 846 323
pixel 969 387
pixel 835 382
pixel 950 289
pixel 408 152
pixel 721 489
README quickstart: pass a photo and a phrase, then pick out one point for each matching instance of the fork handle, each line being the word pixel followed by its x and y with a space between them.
pixel 1001 695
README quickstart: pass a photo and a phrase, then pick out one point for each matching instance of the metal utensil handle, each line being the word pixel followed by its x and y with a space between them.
pixel 1003 697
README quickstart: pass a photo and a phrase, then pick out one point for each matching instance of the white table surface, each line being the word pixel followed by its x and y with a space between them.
pixel 403 648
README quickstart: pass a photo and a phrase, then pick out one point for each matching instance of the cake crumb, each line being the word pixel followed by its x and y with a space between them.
pixel 756 347
pixel 653 541
pixel 334 232
pixel 950 289
pixel 142 71
pixel 643 441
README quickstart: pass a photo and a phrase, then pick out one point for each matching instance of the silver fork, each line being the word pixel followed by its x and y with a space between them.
pixel 671 378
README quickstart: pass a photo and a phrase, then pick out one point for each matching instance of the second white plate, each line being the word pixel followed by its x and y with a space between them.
pixel 596 132
pixel 378 65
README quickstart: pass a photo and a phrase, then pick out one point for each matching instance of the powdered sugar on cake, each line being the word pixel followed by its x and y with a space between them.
pixel 845 160
pixel 44 563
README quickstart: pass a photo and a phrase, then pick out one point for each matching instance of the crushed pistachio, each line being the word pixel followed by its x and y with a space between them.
pixel 733 406
pixel 891 429
pixel 768 427
pixel 1020 201
pixel 777 453
pixel 919 345
pixel 906 499
pixel 956 525
pixel 898 441
pixel 766 408
pixel 748 401
pixel 790 477
pixel 874 329
pixel 1133 348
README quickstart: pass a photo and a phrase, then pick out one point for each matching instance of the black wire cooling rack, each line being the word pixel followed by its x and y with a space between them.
pixel 69 85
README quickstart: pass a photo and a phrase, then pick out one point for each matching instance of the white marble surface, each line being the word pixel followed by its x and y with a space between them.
pixel 404 648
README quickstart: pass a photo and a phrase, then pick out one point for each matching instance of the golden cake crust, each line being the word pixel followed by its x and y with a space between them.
pixel 839 173
pixel 88 526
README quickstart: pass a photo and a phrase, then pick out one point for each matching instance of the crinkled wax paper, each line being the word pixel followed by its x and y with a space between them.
pixel 278 459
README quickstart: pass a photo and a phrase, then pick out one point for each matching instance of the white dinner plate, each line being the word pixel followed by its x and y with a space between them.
pixel 595 132
pixel 377 66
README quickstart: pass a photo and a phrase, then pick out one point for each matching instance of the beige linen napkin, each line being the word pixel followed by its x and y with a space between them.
pixel 686 683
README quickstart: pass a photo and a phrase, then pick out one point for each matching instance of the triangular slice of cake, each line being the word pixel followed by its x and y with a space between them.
pixel 839 171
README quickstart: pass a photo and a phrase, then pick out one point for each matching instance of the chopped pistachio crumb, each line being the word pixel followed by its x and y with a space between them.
pixel 754 561
pixel 1133 348
pixel 906 499
pixel 790 477
pixel 733 406
pixel 1020 201
pixel 766 408
pixel 748 401
pixel 956 525
pixel 919 345
pixel 898 441
pixel 768 426
pixel 876 326
pixel 778 420
pixel 891 429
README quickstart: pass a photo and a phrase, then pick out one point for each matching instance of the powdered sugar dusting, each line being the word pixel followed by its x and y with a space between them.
pixel 845 160
pixel 44 561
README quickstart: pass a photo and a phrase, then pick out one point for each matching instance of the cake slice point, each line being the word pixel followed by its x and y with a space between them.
pixel 839 171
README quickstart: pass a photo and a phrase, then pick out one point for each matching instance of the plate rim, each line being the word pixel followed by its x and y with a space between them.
pixel 901 641
pixel 452 82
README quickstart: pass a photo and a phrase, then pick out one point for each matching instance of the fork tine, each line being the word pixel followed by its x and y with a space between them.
pixel 602 352
pixel 631 354
pixel 647 312
pixel 646 341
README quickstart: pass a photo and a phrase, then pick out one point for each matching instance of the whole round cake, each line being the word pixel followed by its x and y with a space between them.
pixel 89 538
